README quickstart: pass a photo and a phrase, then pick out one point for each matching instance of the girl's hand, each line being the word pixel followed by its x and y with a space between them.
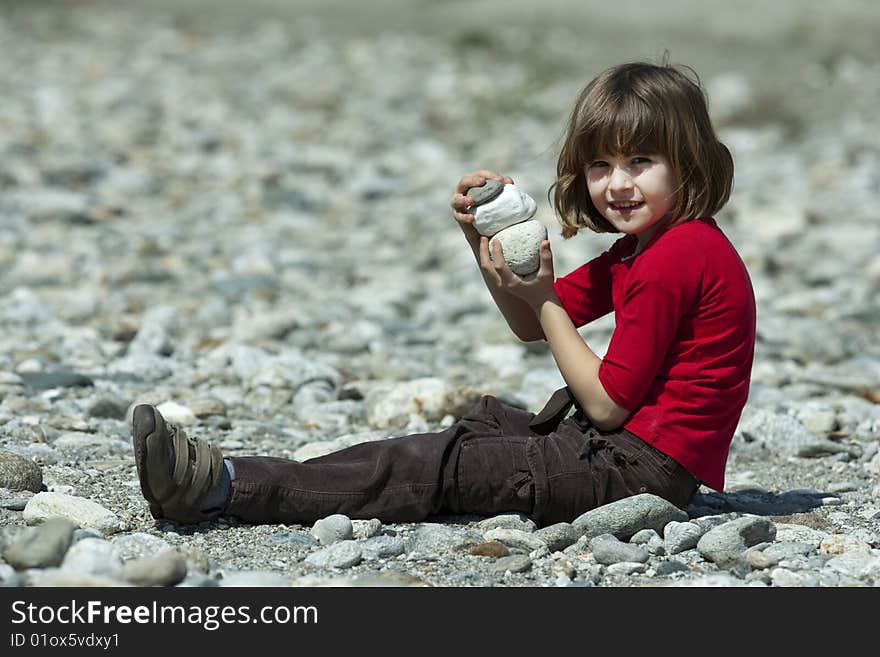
pixel 461 203
pixel 534 289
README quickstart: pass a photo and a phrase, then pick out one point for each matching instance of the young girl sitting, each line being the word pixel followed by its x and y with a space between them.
pixel 655 415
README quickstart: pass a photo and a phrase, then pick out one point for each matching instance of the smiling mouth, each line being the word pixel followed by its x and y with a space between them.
pixel 626 206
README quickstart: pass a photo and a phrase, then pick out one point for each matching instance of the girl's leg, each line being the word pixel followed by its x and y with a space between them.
pixel 492 461
pixel 479 465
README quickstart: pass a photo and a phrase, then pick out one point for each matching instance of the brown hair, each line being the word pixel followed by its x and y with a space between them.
pixel 642 108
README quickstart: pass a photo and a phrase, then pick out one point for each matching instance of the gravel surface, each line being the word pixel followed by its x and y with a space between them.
pixel 244 218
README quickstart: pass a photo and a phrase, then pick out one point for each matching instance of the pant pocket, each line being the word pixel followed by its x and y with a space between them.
pixel 494 476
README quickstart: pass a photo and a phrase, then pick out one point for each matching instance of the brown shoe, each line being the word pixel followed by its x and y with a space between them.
pixel 176 471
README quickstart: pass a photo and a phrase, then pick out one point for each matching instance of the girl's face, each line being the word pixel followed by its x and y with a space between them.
pixel 634 192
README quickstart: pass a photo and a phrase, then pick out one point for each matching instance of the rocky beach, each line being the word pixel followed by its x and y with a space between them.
pixel 243 217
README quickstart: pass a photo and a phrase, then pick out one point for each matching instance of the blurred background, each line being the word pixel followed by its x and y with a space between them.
pixel 181 179
pixel 239 211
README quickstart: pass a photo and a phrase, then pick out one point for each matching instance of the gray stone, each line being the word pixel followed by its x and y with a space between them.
pixel 93 556
pixel 41 547
pixel 780 433
pixel 387 578
pixel 625 517
pixel 73 441
pixel 86 532
pixel 759 559
pixel 656 546
pixel 343 554
pixel 607 549
pixel 81 511
pixel 197 579
pixel 681 536
pixel 791 578
pixel 626 568
pixel 256 578
pixel 63 578
pixel 789 549
pixel 382 547
pixel 60 379
pixel 559 536
pixel 790 532
pixel 643 536
pixel 725 544
pixel 818 420
pixel 671 567
pixel 515 539
pixel 14 500
pixel 18 473
pixel 108 407
pixel 518 521
pixel 366 528
pixel 205 407
pixel 857 565
pixel 165 568
pixel 333 528
pixel 292 541
pixel 137 545
pixel 431 538
pixel 9 534
pixel 715 580
pixel 515 563
pixel 484 193
pixel 8 576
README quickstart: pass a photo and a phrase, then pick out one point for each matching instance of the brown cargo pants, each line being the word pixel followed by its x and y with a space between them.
pixel 496 459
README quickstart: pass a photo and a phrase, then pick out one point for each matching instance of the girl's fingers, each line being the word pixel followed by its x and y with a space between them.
pixel 478 179
pixel 460 203
pixel 546 256
pixel 485 260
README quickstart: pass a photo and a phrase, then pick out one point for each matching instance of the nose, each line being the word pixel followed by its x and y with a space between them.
pixel 620 180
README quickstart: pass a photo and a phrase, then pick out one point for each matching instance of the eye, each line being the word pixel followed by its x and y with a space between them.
pixel 641 159
pixel 597 164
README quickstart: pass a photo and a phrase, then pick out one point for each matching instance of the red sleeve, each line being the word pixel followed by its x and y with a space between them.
pixel 646 323
pixel 585 293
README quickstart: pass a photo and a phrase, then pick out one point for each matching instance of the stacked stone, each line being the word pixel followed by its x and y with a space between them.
pixel 504 213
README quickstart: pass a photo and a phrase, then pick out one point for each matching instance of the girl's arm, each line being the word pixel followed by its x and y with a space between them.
pixel 578 364
pixel 519 315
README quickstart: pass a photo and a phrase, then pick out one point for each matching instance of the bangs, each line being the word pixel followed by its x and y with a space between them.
pixel 622 125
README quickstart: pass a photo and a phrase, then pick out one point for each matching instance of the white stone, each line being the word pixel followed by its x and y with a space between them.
pixel 731 93
pixel 344 554
pixel 515 538
pixel 799 534
pixel 333 528
pixel 323 447
pixel 83 512
pixel 503 359
pixel 520 246
pixel 176 413
pixel 840 543
pixel 93 556
pixel 626 568
pixel 431 398
pixel 510 207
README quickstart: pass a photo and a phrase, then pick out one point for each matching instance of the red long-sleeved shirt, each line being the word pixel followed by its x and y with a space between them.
pixel 681 353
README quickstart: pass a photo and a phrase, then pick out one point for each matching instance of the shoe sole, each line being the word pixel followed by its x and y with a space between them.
pixel 140 454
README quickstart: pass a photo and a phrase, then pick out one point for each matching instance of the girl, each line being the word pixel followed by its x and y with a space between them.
pixel 656 414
